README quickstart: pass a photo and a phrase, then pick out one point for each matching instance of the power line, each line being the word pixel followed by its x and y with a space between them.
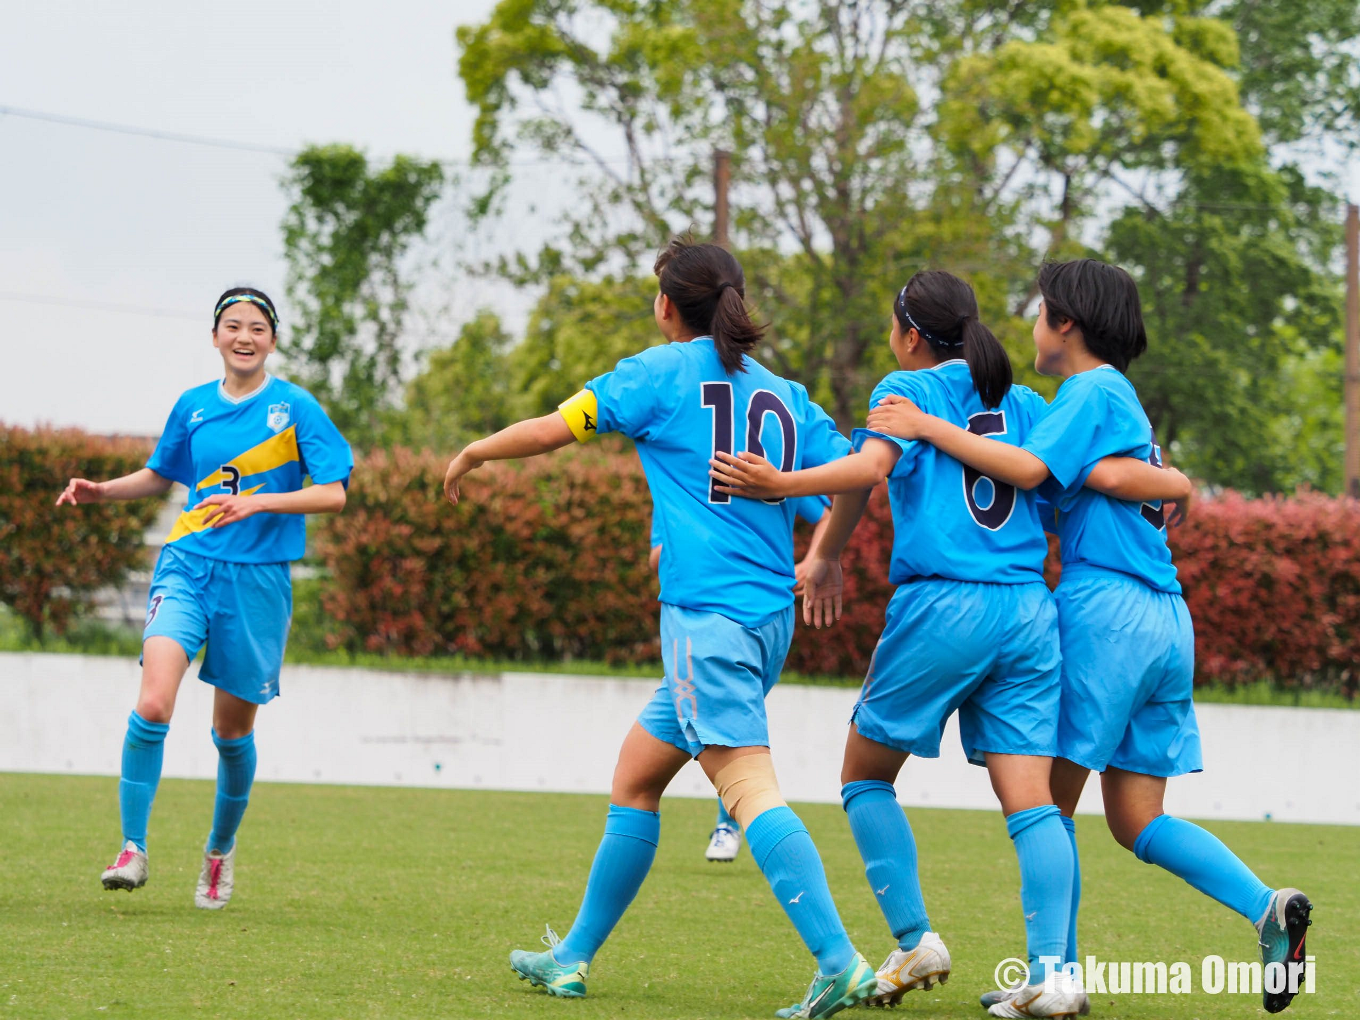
pixel 226 143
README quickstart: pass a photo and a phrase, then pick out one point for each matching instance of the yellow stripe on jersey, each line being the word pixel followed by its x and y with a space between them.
pixel 191 521
pixel 273 452
pixel 581 412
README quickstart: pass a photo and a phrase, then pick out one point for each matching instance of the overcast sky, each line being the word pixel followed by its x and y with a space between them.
pixel 92 222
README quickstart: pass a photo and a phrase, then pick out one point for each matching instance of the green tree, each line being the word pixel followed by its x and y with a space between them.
pixel 463 392
pixel 346 233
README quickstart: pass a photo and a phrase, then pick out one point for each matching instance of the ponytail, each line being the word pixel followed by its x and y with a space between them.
pixel 988 362
pixel 943 310
pixel 707 287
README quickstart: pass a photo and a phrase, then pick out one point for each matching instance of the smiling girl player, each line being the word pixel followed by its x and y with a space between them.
pixel 1127 641
pixel 726 613
pixel 243 446
pixel 971 627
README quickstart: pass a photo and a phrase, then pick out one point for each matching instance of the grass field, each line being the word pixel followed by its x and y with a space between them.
pixel 371 902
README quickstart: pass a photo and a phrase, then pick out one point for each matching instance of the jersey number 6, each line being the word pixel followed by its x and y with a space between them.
pixel 718 396
pixel 998 511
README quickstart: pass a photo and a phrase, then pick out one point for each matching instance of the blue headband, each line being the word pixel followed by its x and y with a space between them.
pixel 254 300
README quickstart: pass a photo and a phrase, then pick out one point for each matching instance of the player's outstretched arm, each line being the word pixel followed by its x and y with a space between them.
pixel 823 582
pixel 1140 482
pixel 523 439
pixel 755 477
pixel 897 416
pixel 138 485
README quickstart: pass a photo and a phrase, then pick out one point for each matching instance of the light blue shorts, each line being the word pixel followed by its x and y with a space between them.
pixel 717 675
pixel 240 611
pixel 1127 679
pixel 988 651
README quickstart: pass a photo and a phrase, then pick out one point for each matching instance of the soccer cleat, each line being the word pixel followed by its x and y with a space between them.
pixel 543 971
pixel 990 999
pixel 907 969
pixel 828 995
pixel 1283 930
pixel 724 844
pixel 217 880
pixel 130 871
pixel 1065 999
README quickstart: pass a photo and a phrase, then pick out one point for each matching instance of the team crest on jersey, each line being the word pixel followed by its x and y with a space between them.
pixel 278 417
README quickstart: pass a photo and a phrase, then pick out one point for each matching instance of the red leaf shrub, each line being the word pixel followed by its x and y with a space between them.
pixel 548 559
pixel 53 559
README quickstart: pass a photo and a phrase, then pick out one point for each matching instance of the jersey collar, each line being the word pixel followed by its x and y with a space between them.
pixel 951 361
pixel 222 391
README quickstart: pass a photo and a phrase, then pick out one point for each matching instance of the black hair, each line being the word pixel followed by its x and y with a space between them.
pixel 944 310
pixel 1103 302
pixel 258 298
pixel 708 289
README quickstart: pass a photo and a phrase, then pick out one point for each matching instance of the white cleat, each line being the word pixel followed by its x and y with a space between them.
pixel 906 969
pixel 130 871
pixel 1065 998
pixel 216 880
pixel 724 845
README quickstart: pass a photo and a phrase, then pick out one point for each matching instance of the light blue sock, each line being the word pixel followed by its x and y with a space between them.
pixel 724 818
pixel 621 863
pixel 235 774
pixel 884 838
pixel 784 853
pixel 1199 857
pixel 143 752
pixel 1045 853
pixel 1070 824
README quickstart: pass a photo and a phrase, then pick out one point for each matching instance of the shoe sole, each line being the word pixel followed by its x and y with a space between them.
pixel 210 904
pixel 116 882
pixel 561 993
pixel 719 860
pixel 1297 922
pixel 854 997
pixel 925 982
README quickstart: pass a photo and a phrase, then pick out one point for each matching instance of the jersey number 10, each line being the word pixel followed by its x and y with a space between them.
pixel 718 396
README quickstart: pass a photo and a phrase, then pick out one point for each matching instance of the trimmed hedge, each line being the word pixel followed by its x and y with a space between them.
pixel 548 559
pixel 53 559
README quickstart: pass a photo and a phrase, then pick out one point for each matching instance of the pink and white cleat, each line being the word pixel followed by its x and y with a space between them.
pixel 216 880
pixel 130 871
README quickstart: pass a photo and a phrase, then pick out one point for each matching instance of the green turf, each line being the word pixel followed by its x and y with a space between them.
pixel 372 902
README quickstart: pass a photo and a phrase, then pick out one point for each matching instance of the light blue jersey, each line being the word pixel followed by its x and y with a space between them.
pixel 268 441
pixel 1097 414
pixel 979 530
pixel 724 554
pixel 809 508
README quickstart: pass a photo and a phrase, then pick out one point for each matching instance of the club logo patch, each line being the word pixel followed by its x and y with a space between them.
pixel 278 417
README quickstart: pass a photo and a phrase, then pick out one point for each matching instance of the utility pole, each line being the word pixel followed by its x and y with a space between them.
pixel 722 176
pixel 1352 351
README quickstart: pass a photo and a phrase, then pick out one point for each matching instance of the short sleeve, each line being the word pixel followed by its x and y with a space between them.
pixel 897 384
pixel 326 457
pixel 820 441
pixel 811 508
pixel 626 397
pixel 171 458
pixel 1080 428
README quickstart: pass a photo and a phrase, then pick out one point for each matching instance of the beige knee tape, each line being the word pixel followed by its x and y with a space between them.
pixel 748 788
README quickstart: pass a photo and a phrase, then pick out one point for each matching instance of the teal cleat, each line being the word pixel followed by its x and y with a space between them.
pixel 1284 930
pixel 827 995
pixel 541 970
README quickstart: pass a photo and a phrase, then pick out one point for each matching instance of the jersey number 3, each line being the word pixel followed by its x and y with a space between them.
pixel 996 513
pixel 231 480
pixel 718 396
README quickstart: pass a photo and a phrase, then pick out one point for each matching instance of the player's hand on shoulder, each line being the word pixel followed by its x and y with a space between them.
pixel 898 417
pixel 746 474
pixel 823 584
pixel 81 490
pixel 229 509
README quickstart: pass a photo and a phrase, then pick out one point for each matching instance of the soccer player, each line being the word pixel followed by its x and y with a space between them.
pixel 972 627
pixel 724 843
pixel 1127 641
pixel 726 608
pixel 244 446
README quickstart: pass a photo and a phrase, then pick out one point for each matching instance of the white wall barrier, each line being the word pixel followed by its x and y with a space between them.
pixel 531 731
